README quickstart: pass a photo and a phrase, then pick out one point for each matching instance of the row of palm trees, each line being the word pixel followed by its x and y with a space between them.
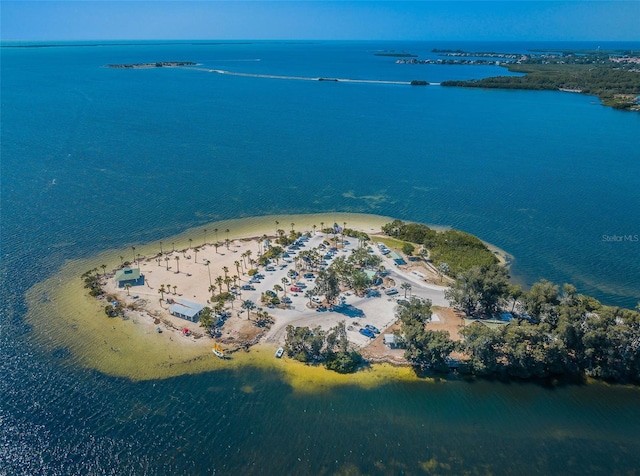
pixel 215 230
pixel 167 259
pixel 162 290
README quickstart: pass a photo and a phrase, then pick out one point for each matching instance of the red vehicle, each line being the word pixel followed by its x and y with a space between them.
pixel 295 289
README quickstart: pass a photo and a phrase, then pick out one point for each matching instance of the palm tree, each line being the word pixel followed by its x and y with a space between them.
pixel 127 287
pixel 226 271
pixel 321 226
pixel 174 289
pixel 177 264
pixel 205 237
pixel 310 293
pixel 406 286
pixel 277 223
pixel 227 232
pixel 314 229
pixel 226 242
pixel 277 288
pixel 215 230
pixel 195 252
pixel 190 243
pixel 219 282
pixel 216 244
pixel 209 271
pixel 133 248
pixel 161 247
pixel 219 307
pixel 292 225
pixel 212 290
pixel 248 305
pixel 284 282
pixel 161 290
pixel 166 258
pixel 173 246
pixel 104 268
pixel 237 265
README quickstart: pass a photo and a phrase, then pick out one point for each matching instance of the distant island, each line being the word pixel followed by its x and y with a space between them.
pixel 158 64
pixel 612 75
pixel 395 54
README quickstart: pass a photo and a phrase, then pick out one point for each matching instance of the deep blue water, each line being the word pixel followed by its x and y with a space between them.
pixel 96 158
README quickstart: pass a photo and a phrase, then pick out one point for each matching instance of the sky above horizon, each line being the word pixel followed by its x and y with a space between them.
pixel 456 20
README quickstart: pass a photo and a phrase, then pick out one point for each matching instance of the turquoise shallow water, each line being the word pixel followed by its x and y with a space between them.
pixel 95 158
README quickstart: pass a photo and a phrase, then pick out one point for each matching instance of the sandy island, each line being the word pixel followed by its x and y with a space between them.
pixel 151 343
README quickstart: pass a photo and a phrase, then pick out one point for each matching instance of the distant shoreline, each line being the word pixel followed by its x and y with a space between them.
pixel 159 64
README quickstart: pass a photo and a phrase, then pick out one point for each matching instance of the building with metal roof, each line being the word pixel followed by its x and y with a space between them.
pixel 129 276
pixel 397 259
pixel 390 341
pixel 186 309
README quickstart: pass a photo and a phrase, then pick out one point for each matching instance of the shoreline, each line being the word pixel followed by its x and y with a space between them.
pixel 64 316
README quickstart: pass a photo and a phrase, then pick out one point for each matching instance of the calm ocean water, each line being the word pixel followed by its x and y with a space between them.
pixel 96 158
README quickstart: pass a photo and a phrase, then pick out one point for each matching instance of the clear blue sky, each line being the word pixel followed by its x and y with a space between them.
pixel 309 19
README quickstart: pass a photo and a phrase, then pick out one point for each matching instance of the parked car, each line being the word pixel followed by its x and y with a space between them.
pixel 295 289
pixel 372 328
pixel 391 291
pixel 367 332
pixel 247 287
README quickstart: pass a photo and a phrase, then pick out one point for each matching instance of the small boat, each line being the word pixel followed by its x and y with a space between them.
pixel 217 350
pixel 279 352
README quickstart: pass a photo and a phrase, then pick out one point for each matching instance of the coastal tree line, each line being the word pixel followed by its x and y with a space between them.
pixel 460 251
pixel 556 333
pixel 609 83
pixel 331 348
